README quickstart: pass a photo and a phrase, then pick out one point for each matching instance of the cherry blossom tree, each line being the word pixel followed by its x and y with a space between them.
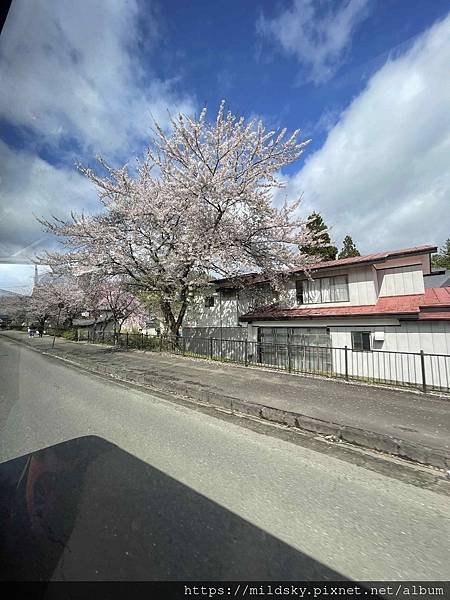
pixel 123 305
pixel 111 295
pixel 115 299
pixel 199 204
pixel 56 295
pixel 15 307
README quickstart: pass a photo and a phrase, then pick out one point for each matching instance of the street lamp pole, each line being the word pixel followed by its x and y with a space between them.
pixel 60 306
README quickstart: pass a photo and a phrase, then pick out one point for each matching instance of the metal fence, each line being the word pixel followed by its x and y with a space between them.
pixel 427 372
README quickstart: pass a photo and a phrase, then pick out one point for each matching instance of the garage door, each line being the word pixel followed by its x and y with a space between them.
pixel 310 348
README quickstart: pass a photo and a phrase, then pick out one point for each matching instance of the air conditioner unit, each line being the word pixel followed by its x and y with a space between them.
pixel 378 336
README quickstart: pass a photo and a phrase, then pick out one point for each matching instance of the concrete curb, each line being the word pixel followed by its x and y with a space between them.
pixel 367 439
pixel 411 451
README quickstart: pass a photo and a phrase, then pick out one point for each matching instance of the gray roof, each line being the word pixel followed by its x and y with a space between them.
pixel 88 322
pixel 440 279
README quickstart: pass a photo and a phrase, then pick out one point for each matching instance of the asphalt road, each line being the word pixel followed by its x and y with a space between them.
pixel 158 490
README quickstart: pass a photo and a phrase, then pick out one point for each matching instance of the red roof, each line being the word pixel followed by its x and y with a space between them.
pixel 253 278
pixel 436 296
pixel 421 306
pixel 435 316
pixel 372 258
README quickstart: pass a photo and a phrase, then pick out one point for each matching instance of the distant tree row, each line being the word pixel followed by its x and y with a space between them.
pixel 63 298
pixel 322 246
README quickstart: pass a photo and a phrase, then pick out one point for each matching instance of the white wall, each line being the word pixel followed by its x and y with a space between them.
pixel 225 311
pixel 361 289
pixel 401 281
pixel 409 336
pixel 433 337
pixel 398 359
pixel 222 314
pixel 395 277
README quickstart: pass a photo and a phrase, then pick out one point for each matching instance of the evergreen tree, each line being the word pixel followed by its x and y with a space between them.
pixel 322 248
pixel 348 248
pixel 442 260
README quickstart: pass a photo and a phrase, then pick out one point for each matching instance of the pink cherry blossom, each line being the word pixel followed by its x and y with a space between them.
pixel 198 205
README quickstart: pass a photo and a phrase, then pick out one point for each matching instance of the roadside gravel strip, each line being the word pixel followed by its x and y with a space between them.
pixel 116 365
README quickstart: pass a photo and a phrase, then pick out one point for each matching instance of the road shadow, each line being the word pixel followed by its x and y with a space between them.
pixel 87 510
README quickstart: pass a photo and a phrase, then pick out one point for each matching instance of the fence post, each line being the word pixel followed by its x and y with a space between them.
pixel 346 362
pixel 103 335
pixel 422 365
pixel 246 352
pixel 160 342
pixel 211 348
pixel 126 339
pixel 183 345
pixel 289 358
pixel 142 341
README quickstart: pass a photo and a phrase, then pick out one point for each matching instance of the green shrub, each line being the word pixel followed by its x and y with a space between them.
pixel 69 334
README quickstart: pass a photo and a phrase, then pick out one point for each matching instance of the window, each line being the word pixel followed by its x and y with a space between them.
pixel 299 288
pixel 323 290
pixel 209 301
pixel 228 294
pixel 261 295
pixel 361 340
pixel 339 288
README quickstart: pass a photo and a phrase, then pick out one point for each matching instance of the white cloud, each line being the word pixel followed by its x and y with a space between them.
pixel 316 33
pixel 30 187
pixel 72 77
pixel 73 69
pixel 383 173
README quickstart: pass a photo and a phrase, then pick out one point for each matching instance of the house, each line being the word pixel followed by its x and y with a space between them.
pixel 369 316
pixel 88 327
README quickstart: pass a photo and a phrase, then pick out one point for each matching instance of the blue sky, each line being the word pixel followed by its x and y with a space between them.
pixel 365 79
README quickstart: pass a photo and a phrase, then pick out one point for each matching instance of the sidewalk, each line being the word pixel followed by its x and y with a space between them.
pixel 407 424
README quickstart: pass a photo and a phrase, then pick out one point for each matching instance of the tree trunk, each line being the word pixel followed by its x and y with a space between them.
pixel 171 328
pixel 172 324
pixel 183 308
